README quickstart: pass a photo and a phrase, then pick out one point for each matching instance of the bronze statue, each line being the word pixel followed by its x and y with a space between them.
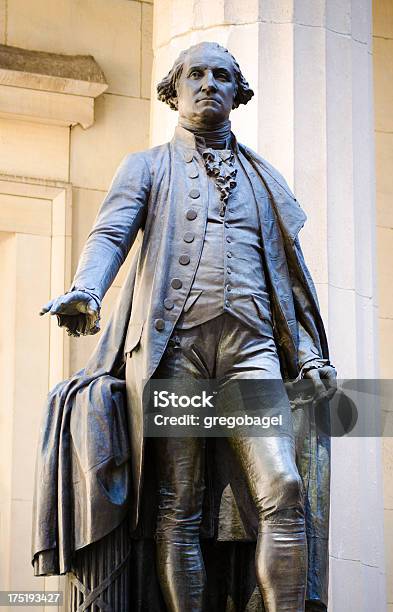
pixel 221 292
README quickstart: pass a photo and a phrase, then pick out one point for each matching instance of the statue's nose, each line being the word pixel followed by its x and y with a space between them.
pixel 209 82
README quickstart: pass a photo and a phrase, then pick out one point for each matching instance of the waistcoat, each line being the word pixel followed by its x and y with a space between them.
pixel 230 275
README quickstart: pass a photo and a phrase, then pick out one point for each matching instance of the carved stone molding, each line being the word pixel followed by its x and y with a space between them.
pixel 49 87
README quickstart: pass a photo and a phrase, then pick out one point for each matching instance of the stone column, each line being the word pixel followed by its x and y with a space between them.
pixel 383 71
pixel 309 63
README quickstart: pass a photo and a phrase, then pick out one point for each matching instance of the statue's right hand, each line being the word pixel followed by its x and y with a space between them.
pixel 71 303
pixel 77 310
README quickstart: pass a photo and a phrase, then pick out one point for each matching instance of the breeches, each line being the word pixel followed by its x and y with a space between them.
pixel 228 351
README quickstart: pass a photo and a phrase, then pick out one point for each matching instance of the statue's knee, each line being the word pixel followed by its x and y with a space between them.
pixel 292 491
pixel 285 498
pixel 179 511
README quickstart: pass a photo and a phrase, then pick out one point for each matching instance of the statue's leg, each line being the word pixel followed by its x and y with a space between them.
pixel 180 470
pixel 180 474
pixel 251 383
pixel 275 485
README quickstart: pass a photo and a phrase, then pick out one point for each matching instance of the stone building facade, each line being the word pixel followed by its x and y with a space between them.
pixel 322 74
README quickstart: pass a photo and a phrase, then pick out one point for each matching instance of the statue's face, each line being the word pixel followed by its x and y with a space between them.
pixel 206 87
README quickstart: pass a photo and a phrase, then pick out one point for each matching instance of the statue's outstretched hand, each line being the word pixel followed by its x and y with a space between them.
pixel 324 380
pixel 78 311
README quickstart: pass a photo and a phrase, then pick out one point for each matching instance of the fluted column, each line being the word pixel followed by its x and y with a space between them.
pixel 309 63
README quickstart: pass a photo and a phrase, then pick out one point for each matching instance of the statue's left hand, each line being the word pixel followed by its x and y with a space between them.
pixel 325 382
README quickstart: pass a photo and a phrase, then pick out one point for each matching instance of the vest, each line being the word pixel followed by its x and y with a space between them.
pixel 230 276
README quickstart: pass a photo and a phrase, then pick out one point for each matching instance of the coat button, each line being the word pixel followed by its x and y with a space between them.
pixel 194 194
pixel 159 324
pixel 184 260
pixel 229 254
pixel 191 214
pixel 193 173
pixel 188 156
pixel 229 239
pixel 168 304
pixel 176 283
pixel 188 237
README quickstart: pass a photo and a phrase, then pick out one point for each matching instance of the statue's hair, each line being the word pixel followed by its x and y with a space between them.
pixel 167 88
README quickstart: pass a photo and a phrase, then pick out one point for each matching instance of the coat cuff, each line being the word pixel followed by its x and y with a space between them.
pixel 313 364
pixel 93 293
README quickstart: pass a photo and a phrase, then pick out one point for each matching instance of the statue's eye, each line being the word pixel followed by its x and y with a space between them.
pixel 195 74
pixel 223 76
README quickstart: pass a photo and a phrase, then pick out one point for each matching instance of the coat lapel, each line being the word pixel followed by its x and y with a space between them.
pixel 291 216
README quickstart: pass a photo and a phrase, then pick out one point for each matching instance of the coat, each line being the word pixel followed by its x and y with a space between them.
pixel 149 193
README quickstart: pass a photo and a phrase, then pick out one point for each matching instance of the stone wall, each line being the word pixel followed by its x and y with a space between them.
pixel 47 162
pixel 118 34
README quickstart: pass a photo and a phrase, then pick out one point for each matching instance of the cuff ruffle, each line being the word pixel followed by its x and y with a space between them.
pixel 314 364
pixel 83 323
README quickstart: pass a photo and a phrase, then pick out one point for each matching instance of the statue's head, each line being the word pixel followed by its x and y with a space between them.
pixel 205 84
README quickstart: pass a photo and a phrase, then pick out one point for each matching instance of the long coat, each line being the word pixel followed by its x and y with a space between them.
pixel 151 191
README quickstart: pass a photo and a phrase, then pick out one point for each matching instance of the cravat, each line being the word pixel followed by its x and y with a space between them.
pixel 219 164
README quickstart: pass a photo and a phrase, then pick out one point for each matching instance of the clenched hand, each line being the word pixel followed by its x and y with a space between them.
pixel 318 376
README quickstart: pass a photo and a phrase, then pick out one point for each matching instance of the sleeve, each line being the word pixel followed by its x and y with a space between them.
pixel 121 215
pixel 308 355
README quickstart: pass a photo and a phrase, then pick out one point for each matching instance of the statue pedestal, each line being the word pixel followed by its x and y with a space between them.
pixel 101 580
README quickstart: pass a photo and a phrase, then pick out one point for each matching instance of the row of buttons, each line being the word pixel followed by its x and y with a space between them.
pixel 184 260
pixel 191 213
pixel 228 287
pixel 194 194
